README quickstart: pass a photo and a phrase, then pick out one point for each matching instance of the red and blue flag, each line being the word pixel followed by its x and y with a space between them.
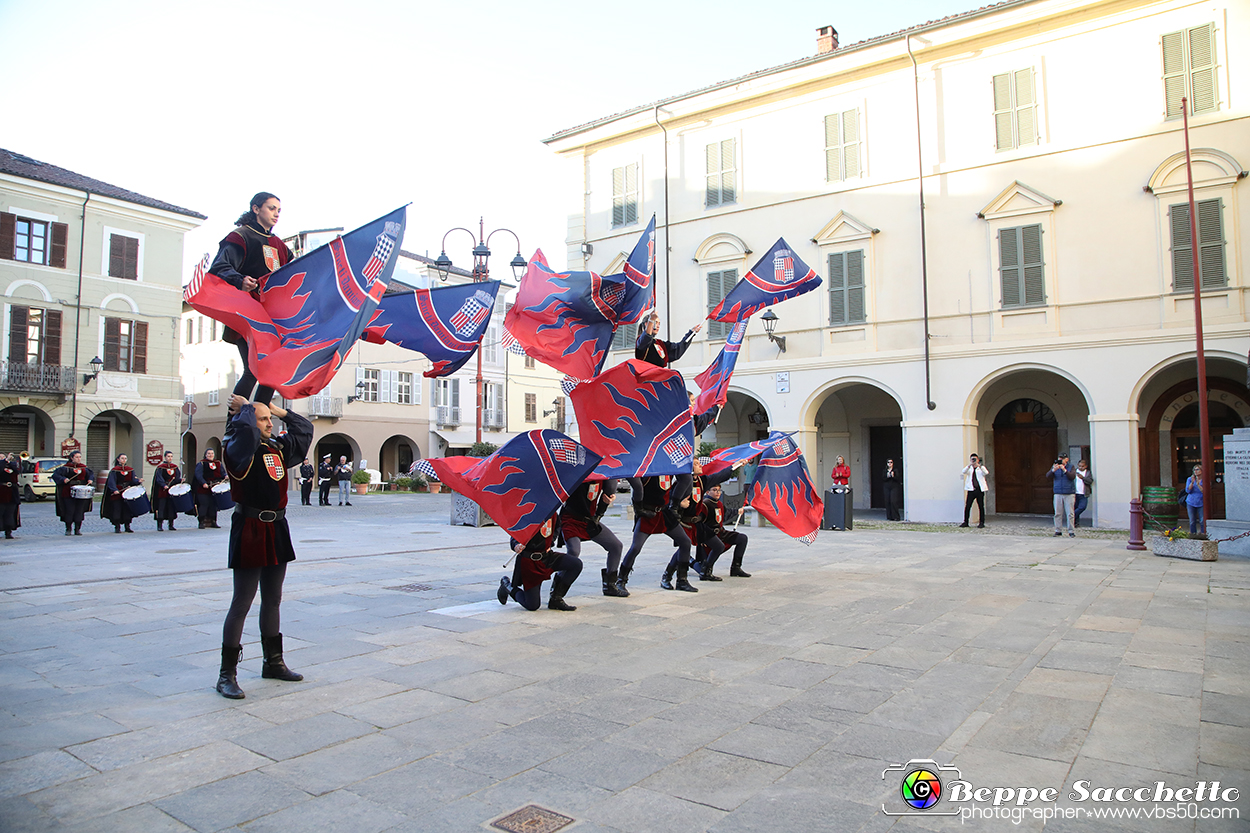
pixel 778 275
pixel 445 323
pixel 523 483
pixel 723 458
pixel 638 284
pixel 714 382
pixel 637 417
pixel 306 316
pixel 782 491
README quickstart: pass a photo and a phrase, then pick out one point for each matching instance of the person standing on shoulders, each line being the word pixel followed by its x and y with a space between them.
pixel 325 479
pixel 1194 494
pixel 10 494
pixel 1084 488
pixel 208 473
pixel 975 487
pixel 244 258
pixel 306 475
pixel 260 539
pixel 1062 475
pixel 167 474
pixel 113 507
pixel 69 509
pixel 892 484
pixel 343 474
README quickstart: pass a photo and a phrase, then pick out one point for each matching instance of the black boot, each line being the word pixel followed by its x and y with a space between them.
pixel 611 583
pixel 505 590
pixel 667 581
pixel 128 529
pixel 621 590
pixel 117 528
pixel 160 526
pixel 227 685
pixel 708 575
pixel 273 667
pixel 683 582
pixel 77 529
pixel 736 569
pixel 558 603
pixel 67 529
pixel 171 527
pixel 560 584
pixel 8 533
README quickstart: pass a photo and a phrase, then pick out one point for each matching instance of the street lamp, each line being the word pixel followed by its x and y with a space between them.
pixel 770 323
pixel 481 272
pixel 96 366
pixel 360 392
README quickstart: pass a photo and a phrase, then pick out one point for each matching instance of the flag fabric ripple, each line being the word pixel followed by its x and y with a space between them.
pixel 714 382
pixel 778 275
pixel 306 316
pixel 445 323
pixel 782 492
pixel 723 458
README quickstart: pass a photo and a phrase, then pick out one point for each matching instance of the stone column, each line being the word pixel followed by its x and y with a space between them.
pixel 1116 468
pixel 933 454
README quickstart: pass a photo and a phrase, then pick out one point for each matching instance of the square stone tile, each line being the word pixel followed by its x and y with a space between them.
pixel 1045 727
pixel 232 801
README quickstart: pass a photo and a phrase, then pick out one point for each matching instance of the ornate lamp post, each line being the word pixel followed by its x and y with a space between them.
pixel 481 272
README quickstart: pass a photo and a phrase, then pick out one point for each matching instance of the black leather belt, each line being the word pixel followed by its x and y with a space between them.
pixel 264 515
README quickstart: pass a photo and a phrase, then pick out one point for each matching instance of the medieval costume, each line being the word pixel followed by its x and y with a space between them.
pixel 536 562
pixel 113 508
pixel 167 474
pixel 581 519
pixel 10 496
pixel 69 509
pixel 208 473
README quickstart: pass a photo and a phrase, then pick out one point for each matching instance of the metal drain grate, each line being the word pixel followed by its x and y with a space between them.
pixel 532 819
pixel 7 563
pixel 412 588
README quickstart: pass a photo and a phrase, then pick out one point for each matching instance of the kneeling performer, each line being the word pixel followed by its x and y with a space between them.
pixel 718 538
pixel 536 562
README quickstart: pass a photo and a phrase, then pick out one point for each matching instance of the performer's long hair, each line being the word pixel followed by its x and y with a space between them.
pixel 257 201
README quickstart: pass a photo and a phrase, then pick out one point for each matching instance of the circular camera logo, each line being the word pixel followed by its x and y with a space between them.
pixel 921 789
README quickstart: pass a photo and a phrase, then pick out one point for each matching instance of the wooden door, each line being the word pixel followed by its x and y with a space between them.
pixel 1022 456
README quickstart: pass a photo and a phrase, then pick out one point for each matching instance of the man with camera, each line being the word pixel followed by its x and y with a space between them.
pixel 1062 475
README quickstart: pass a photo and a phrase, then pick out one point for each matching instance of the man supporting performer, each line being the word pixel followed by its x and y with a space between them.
pixel 69 509
pixel 167 474
pixel 714 539
pixel 325 478
pixel 208 473
pixel 692 518
pixel 260 540
pixel 537 561
pixel 581 519
pixel 10 493
pixel 113 507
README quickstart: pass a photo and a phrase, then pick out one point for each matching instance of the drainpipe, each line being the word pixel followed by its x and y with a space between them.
pixel 82 244
pixel 668 302
pixel 924 256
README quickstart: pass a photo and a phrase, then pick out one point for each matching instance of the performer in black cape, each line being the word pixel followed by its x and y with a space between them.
pixel 69 509
pixel 208 473
pixel 244 257
pixel 260 540
pixel 10 494
pixel 657 351
pixel 581 519
pixel 661 497
pixel 113 507
pixel 537 561
pixel 167 474
pixel 693 516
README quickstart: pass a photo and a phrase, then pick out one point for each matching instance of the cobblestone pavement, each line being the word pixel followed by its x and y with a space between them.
pixel 769 703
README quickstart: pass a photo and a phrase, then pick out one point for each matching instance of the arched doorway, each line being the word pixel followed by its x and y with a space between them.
pixel 863 424
pixel 398 454
pixel 1026 443
pixel 337 445
pixel 741 419
pixel 1186 443
pixel 189 455
pixel 110 433
pixel 27 428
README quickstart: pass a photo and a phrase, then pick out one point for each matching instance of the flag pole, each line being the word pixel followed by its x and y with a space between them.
pixel 1204 430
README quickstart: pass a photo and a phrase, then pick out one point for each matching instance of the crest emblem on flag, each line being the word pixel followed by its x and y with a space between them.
pixel 783 266
pixel 678 450
pixel 777 276
pixel 271 257
pixel 381 251
pixel 471 313
pixel 564 450
pixel 613 293
pixel 273 465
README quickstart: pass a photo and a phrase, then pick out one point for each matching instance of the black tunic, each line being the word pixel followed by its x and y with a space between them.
pixel 659 352
pixel 249 252
pixel 68 509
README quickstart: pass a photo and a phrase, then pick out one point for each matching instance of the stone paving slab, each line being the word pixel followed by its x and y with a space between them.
pixel 775 702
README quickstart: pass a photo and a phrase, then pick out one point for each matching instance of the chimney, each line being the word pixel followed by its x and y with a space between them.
pixel 826 40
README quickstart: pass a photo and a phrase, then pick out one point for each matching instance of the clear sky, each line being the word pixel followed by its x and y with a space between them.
pixel 346 110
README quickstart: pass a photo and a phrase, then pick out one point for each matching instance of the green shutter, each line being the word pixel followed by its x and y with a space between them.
pixel 1004 137
pixel 1182 253
pixel 718 285
pixel 631 193
pixel 850 144
pixel 618 196
pixel 833 148
pixel 712 154
pixel 1174 72
pixel 837 289
pixel 728 185
pixel 1202 71
pixel 1009 265
pixel 1032 265
pixel 1026 110
pixel 855 313
pixel 1211 244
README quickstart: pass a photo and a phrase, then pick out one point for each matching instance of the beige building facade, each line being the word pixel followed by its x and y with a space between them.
pixel 88 270
pixel 1041 303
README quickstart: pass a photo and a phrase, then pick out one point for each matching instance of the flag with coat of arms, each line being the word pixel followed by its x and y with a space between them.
pixel 778 275
pixel 445 323
pixel 782 491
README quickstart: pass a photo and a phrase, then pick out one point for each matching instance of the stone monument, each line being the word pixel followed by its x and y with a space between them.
pixel 1236 495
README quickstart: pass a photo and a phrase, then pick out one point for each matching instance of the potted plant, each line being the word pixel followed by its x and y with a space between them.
pixel 418 483
pixel 360 479
pixel 1178 543
pixel 401 484
pixel 435 487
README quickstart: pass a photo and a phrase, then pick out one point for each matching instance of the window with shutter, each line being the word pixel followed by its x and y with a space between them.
pixel 190 331
pixel 123 257
pixel 8 234
pixel 625 337
pixel 531 407
pixel 846 288
pixel 718 285
pixel 625 195
pixel 52 336
pixel 455 393
pixel 842 146
pixel 721 173
pixel 17 334
pixel 1211 257
pixel 30 241
pixel 139 348
pixel 1189 71
pixel 1015 109
pixel 112 344
pixel 403 388
pixel 1021 267
pixel 60 245
pixel 125 345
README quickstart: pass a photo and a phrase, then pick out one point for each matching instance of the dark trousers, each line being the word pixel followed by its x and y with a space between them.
pixel 567 568
pixel 606 539
pixel 247 381
pixel 246 582
pixel 324 493
pixel 305 493
pixel 675 532
pixel 892 494
pixel 1082 503
pixel 207 507
pixel 978 497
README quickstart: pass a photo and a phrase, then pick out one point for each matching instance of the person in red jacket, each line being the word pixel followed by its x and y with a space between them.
pixel 841 473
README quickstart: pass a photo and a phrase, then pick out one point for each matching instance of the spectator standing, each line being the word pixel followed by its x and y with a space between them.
pixel 1084 488
pixel 1062 475
pixel 1194 493
pixel 343 475
pixel 975 487
pixel 892 484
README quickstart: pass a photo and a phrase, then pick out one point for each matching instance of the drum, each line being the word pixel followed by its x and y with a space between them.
pixel 183 500
pixel 221 495
pixel 82 492
pixel 137 500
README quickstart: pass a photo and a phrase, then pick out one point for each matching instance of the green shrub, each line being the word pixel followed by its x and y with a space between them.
pixel 483 449
pixel 360 476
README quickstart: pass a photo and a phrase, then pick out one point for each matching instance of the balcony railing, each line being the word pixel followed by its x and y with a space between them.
pixel 492 419
pixel 325 406
pixel 44 378
pixel 447 416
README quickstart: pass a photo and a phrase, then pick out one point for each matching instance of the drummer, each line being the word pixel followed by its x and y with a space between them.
pixel 208 473
pixel 10 493
pixel 167 474
pixel 113 507
pixel 71 510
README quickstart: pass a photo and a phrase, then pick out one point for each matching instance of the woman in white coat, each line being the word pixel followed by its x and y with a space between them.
pixel 975 487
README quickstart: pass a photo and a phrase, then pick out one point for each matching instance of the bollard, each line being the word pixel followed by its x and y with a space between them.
pixel 1135 540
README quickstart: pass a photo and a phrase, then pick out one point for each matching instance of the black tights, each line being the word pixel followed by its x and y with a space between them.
pixel 269 580
pixel 606 539
pixel 675 532
pixel 247 381
pixel 567 568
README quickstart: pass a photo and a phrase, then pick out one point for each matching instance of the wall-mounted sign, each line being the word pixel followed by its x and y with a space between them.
pixel 155 453
pixel 783 382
